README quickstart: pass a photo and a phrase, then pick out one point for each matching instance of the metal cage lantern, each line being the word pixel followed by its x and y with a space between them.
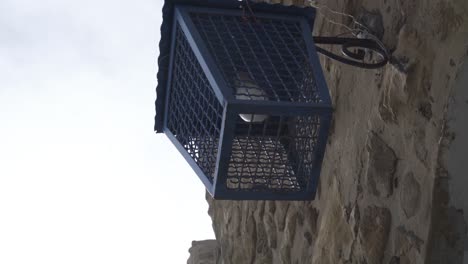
pixel 242 96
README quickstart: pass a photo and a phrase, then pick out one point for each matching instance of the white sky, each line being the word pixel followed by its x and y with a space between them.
pixel 83 177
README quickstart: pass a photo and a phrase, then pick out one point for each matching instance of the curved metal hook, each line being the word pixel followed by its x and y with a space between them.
pixel 354 58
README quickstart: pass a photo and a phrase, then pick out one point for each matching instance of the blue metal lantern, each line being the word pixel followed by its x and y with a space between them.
pixel 242 96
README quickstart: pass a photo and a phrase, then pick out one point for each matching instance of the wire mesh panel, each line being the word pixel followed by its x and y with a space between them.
pixel 260 58
pixel 194 113
pixel 275 155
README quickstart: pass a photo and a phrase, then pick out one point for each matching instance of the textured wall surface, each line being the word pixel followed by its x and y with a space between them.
pixel 457 154
pixel 381 197
pixel 204 252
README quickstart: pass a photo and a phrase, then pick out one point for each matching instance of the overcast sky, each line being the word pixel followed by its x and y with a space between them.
pixel 83 177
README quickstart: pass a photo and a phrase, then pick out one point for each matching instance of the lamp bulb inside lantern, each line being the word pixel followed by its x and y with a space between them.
pixel 247 89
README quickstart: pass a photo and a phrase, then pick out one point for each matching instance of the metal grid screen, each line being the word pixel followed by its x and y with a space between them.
pixel 276 155
pixel 260 58
pixel 195 115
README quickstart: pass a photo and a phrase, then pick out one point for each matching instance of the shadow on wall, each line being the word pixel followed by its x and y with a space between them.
pixel 457 156
pixel 450 216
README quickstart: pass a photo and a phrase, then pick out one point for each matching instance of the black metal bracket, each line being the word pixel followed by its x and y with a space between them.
pixel 356 57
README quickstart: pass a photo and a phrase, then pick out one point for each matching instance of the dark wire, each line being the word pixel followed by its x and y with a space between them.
pixel 252 14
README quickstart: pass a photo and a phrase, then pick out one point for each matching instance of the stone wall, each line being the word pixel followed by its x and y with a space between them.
pixel 377 201
pixel 450 209
pixel 204 252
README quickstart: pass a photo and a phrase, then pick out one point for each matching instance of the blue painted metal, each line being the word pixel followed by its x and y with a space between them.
pixel 322 142
pixel 314 61
pixel 222 161
pixel 204 57
pixel 224 67
pixel 249 195
pixel 279 108
pixel 171 65
pixel 194 114
pixel 191 162
pixel 238 11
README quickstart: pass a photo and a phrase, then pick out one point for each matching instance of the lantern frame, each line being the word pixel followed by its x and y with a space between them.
pixel 176 17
